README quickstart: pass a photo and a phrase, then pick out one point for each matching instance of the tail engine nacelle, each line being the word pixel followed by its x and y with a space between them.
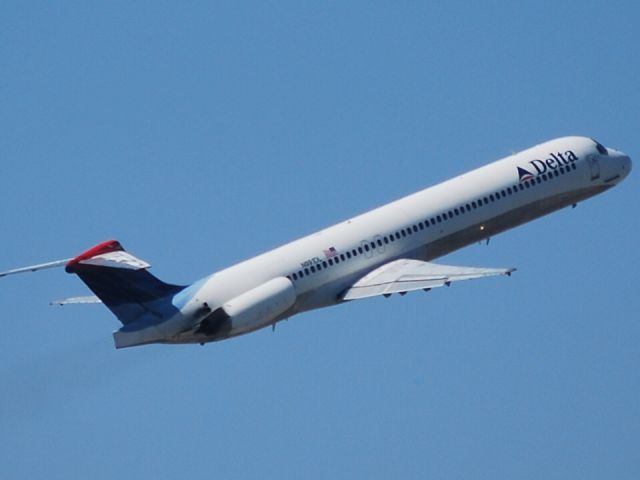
pixel 250 310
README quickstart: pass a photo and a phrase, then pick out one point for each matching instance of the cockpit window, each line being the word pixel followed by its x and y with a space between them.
pixel 601 148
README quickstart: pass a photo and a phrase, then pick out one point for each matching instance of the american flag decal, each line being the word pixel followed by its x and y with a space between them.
pixel 332 252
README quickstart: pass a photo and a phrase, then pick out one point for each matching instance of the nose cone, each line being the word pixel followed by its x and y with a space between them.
pixel 622 163
pixel 626 165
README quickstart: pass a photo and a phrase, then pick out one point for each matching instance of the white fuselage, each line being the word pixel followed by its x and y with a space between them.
pixel 424 226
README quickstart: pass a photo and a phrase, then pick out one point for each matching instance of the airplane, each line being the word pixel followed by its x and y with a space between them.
pixel 383 251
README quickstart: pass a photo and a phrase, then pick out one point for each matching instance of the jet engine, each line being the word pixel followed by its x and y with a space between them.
pixel 250 310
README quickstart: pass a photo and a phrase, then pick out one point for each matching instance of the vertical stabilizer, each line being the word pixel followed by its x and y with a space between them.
pixel 123 283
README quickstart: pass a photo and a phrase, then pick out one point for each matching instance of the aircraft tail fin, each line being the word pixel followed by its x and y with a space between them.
pixel 122 282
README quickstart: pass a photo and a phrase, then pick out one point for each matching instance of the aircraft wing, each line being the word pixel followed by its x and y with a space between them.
pixel 405 275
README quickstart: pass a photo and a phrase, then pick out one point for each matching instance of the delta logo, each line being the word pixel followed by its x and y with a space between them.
pixel 524 174
pixel 552 162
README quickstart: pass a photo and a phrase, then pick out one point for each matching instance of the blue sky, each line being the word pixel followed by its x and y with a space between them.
pixel 202 133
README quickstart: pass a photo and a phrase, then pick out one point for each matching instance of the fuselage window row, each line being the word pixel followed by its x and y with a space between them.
pixel 443 217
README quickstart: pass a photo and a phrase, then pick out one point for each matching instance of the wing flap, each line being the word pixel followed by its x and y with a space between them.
pixel 405 275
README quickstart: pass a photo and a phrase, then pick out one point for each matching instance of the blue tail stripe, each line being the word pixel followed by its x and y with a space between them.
pixel 127 293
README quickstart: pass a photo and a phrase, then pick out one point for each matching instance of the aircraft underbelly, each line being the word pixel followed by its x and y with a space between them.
pixel 506 221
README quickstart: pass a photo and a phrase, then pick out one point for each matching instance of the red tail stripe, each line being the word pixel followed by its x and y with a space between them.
pixel 104 247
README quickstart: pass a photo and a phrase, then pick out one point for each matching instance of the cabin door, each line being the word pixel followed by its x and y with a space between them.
pixel 594 165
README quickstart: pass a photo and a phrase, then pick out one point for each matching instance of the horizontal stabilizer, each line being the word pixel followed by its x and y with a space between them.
pixel 107 254
pixel 116 260
pixel 34 268
pixel 404 275
pixel 77 300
